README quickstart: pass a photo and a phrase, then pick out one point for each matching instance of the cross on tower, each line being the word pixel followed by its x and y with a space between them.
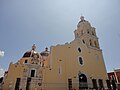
pixel 33 47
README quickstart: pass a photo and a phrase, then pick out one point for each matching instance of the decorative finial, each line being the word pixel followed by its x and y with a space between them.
pixel 33 47
pixel 46 49
pixel 82 18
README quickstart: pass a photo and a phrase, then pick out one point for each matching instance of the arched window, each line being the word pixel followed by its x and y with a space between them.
pixel 81 32
pixel 77 34
pixel 93 33
pixel 95 43
pixel 90 42
pixel 88 31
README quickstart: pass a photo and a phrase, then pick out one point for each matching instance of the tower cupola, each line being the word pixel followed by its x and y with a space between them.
pixel 45 53
pixel 86 33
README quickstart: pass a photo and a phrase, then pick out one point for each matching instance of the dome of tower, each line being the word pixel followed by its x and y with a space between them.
pixel 31 52
pixel 83 21
pixel 45 53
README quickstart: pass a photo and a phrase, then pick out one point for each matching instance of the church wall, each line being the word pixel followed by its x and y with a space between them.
pixel 15 71
pixel 66 57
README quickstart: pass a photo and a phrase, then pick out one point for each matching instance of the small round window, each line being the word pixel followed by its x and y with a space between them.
pixel 81 60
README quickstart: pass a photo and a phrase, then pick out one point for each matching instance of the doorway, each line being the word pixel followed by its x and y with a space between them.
pixel 83 82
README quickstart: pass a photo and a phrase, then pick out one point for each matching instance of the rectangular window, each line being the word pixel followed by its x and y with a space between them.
pixel 100 81
pixel 26 61
pixel 17 84
pixel 60 70
pixel 70 84
pixel 113 85
pixel 32 73
pixel 108 84
pixel 28 84
pixel 94 84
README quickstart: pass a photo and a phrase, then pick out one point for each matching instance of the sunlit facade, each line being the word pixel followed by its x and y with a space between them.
pixel 77 65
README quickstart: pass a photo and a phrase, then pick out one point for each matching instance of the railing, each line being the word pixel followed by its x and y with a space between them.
pixel 83 85
pixel 65 86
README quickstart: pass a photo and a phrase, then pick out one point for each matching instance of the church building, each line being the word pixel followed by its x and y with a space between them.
pixel 78 65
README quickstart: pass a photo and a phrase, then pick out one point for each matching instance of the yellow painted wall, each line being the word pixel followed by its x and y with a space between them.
pixel 15 71
pixel 66 56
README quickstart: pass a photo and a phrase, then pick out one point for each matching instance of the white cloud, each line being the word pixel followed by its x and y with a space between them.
pixel 1 53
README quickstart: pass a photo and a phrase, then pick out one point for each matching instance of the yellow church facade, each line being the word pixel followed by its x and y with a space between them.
pixel 78 65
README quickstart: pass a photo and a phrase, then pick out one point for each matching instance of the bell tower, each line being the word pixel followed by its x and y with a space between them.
pixel 86 33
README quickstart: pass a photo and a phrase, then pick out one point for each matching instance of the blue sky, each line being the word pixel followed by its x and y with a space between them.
pixel 51 22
